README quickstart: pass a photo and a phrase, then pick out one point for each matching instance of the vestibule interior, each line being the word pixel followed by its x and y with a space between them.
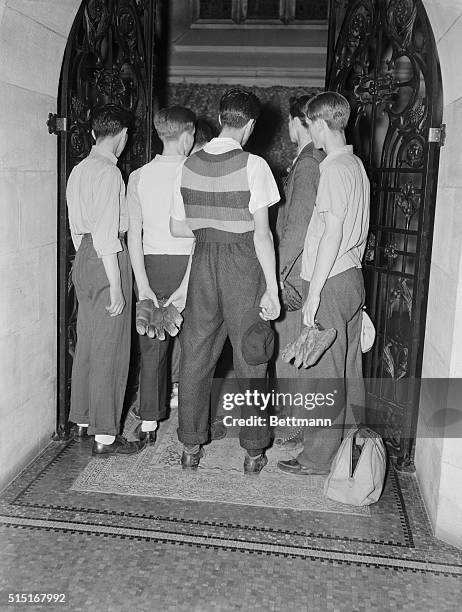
pixel 29 80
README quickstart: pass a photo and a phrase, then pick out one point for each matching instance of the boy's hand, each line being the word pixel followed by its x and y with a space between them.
pixel 178 298
pixel 270 306
pixel 146 293
pixel 117 301
pixel 310 308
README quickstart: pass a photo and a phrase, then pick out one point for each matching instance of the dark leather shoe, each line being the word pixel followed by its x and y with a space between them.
pixel 292 466
pixel 120 446
pixel 190 461
pixel 218 430
pixel 80 433
pixel 145 437
pixel 254 465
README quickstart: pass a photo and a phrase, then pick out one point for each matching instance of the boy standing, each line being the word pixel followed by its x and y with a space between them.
pixel 331 268
pixel 159 260
pixel 223 195
pixel 101 274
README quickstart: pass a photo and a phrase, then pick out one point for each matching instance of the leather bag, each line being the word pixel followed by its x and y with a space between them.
pixel 362 485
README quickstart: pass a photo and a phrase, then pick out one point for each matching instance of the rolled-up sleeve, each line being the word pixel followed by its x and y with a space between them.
pixel 263 188
pixel 135 213
pixel 177 210
pixel 107 193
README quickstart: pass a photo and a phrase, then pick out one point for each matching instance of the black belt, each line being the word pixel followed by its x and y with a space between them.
pixel 122 235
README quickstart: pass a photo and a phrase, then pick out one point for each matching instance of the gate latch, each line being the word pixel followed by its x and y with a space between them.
pixel 437 134
pixel 56 124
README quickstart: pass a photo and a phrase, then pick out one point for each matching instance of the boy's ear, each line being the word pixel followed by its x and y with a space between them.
pixel 93 135
pixel 249 126
pixel 219 120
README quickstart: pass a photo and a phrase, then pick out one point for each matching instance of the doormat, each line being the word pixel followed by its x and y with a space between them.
pixel 156 472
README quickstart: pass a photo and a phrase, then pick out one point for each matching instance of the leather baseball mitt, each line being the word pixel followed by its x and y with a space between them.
pixel 143 313
pixel 156 324
pixel 172 319
pixel 308 348
pixel 291 298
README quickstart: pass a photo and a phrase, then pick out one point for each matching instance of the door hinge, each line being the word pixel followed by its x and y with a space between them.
pixel 56 124
pixel 437 134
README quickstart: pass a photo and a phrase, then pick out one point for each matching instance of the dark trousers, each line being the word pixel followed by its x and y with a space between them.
pixel 165 273
pixel 102 354
pixel 226 280
pixel 342 299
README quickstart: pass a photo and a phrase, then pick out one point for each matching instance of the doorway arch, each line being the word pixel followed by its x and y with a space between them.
pixel 383 58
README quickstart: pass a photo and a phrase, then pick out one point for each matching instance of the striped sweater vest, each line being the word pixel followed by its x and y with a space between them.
pixel 215 191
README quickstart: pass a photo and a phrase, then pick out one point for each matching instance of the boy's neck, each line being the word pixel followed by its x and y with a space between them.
pixel 303 139
pixel 234 133
pixel 172 147
pixel 335 141
pixel 108 144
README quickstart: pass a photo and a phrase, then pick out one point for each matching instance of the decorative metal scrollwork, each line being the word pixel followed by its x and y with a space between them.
pixel 401 15
pixel 385 63
pixel 108 59
pixel 380 89
pixel 408 200
pixel 414 152
pixel 390 251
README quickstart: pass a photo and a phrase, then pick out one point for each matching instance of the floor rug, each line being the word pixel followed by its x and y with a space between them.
pixel 156 472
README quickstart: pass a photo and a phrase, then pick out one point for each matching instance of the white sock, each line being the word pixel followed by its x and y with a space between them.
pixel 149 426
pixel 104 439
pixel 82 424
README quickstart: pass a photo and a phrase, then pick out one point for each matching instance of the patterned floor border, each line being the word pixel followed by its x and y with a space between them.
pixel 396 557
pixel 341 558
pixel 19 500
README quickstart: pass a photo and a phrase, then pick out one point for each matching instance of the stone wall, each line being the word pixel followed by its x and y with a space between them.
pixel 33 36
pixel 439 460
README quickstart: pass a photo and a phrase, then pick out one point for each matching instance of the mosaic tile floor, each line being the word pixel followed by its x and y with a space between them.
pixel 117 553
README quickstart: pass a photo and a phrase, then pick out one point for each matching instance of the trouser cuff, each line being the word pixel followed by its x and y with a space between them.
pixel 255 444
pixel 192 438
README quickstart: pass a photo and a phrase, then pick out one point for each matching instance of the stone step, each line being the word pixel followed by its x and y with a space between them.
pixel 250 57
pixel 271 41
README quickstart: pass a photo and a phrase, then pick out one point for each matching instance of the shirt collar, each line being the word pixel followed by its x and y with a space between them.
pixel 346 150
pixel 225 143
pixel 96 149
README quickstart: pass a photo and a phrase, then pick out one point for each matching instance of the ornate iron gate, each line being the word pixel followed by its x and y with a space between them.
pixel 382 56
pixel 108 59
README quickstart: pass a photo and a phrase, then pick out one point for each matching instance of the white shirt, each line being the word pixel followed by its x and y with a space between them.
pixel 149 197
pixel 263 188
pixel 96 202
pixel 344 192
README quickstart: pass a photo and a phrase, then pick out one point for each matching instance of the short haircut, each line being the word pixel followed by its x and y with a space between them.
pixel 204 132
pixel 297 108
pixel 330 106
pixel 238 107
pixel 172 121
pixel 110 120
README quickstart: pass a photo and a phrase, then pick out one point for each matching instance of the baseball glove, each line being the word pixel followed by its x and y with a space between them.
pixel 143 314
pixel 172 319
pixel 156 324
pixel 309 347
pixel 291 298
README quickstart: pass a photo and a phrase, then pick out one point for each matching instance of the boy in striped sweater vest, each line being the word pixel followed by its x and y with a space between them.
pixel 222 197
